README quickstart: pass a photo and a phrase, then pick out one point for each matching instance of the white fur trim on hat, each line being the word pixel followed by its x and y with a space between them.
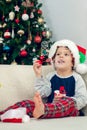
pixel 73 48
pixel 71 45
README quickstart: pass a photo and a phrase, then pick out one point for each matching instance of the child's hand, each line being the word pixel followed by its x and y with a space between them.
pixel 37 66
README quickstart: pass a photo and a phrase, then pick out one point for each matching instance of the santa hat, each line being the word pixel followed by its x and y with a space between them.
pixel 79 54
pixel 17 115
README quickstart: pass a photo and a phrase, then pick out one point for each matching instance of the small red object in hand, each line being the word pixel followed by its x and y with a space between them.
pixel 39 61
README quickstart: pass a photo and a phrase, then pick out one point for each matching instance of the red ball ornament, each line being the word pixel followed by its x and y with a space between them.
pixel 23 53
pixel 37 39
pixel 17 20
pixel 39 11
pixel 42 57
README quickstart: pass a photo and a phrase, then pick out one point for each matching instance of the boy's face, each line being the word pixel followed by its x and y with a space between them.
pixel 63 58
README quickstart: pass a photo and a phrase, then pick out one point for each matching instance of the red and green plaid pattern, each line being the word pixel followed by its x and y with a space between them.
pixel 64 107
pixel 28 104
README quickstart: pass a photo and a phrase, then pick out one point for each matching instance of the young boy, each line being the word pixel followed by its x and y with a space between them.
pixel 73 94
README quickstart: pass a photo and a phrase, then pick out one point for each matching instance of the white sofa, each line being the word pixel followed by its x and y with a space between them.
pixel 16 84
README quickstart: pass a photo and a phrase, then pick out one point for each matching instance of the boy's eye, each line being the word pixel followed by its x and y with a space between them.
pixel 58 54
pixel 66 54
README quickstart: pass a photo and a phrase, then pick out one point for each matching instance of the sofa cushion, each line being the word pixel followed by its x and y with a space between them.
pixel 17 83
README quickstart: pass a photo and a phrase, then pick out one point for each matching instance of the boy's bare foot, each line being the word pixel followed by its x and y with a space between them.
pixel 39 106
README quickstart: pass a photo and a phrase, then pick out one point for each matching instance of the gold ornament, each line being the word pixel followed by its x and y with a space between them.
pixel 20 32
pixel 30 36
pixel 4 25
pixel 11 15
pixel 14 63
pixel 48 34
pixel 40 20
pixel 8 1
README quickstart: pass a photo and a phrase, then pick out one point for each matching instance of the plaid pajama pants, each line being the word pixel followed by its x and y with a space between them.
pixel 63 108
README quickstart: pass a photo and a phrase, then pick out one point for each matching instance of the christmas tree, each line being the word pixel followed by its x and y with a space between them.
pixel 24 35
